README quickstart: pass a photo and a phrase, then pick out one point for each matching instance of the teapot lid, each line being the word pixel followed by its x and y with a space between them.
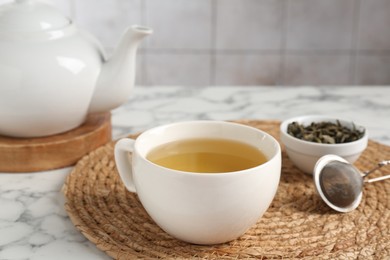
pixel 30 16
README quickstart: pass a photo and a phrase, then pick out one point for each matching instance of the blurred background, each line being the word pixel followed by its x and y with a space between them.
pixel 247 42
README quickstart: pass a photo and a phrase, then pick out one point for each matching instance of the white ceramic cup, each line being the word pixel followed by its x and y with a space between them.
pixel 205 208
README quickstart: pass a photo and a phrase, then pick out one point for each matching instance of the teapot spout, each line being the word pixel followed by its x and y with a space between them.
pixel 117 75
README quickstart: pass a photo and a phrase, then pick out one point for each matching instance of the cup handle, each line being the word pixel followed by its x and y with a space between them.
pixel 123 164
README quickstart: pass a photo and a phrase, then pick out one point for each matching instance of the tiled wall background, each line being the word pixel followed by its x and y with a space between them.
pixel 248 42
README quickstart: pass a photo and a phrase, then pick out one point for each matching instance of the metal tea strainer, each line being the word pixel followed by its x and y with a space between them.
pixel 340 184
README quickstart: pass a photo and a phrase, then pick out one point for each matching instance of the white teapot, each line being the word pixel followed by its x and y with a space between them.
pixel 52 74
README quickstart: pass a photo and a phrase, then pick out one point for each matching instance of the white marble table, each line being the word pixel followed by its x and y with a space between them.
pixel 33 222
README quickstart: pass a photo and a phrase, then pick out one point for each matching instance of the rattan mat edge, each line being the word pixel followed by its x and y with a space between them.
pixel 297 225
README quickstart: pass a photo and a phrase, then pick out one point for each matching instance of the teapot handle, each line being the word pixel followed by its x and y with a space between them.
pixel 123 162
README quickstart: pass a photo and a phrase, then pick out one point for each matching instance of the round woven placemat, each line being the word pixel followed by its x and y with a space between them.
pixel 297 224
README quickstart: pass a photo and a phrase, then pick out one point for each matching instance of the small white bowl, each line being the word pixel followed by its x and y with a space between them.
pixel 305 154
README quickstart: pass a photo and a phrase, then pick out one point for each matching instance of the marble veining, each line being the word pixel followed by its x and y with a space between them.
pixel 33 222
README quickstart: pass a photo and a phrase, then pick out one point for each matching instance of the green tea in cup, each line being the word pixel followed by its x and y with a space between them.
pixel 207 155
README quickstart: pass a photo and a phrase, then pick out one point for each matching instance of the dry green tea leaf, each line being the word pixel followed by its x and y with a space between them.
pixel 325 132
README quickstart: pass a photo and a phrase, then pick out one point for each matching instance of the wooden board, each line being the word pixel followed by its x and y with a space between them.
pixel 56 151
